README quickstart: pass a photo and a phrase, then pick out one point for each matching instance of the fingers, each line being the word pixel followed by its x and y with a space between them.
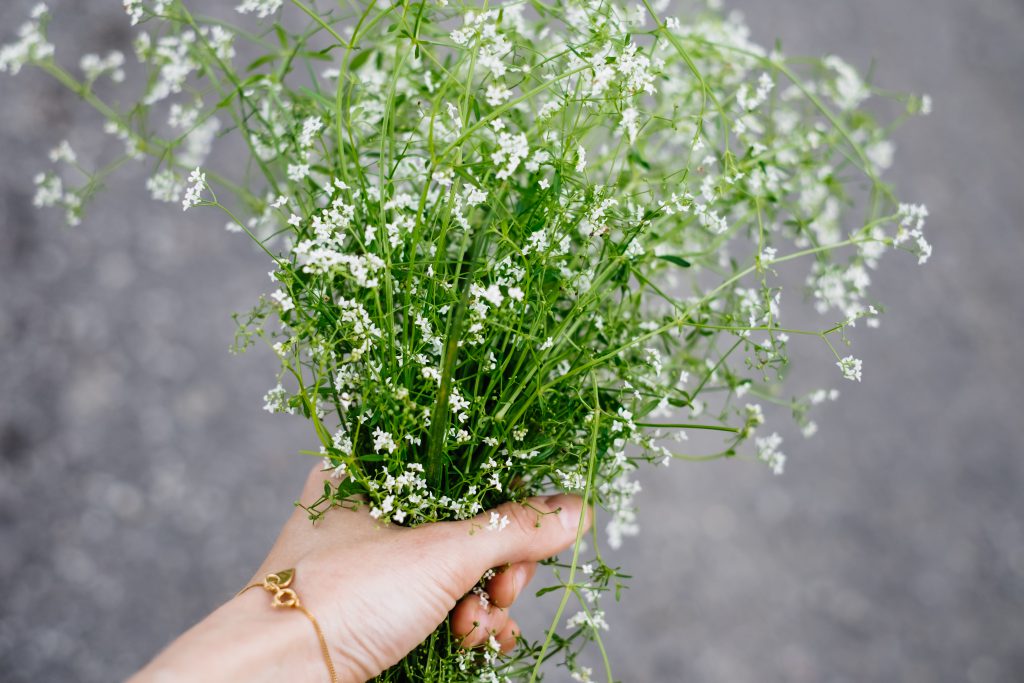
pixel 508 636
pixel 506 585
pixel 516 535
pixel 475 623
pixel 535 529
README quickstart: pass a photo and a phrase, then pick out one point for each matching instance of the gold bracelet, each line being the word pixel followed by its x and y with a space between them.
pixel 278 583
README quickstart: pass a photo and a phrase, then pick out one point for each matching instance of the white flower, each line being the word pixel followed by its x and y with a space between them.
pixel 850 90
pixel 222 42
pixel 173 54
pixel 636 70
pixel 182 117
pixel 198 143
pixel 297 172
pixel 911 228
pixel 768 451
pixel 94 66
pixel 383 441
pixel 283 300
pixel 850 368
pixel 497 522
pixel 492 294
pixel 629 122
pixel 583 675
pixel 880 154
pixel 443 178
pixel 63 152
pixel 31 45
pixel 594 620
pixel 276 401
pixel 165 186
pixel 764 87
pixel 261 8
pixel 458 404
pixel 512 149
pixel 474 195
pixel 310 127
pixel 497 94
pixel 49 190
pixel 133 8
pixel 197 181
pixel 581 158
pixel 572 481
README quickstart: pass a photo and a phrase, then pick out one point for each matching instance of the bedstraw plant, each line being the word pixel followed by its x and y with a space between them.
pixel 516 247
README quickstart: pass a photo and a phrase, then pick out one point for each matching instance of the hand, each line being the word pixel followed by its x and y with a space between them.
pixel 376 590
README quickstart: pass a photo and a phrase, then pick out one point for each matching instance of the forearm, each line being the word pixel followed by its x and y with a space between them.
pixel 244 640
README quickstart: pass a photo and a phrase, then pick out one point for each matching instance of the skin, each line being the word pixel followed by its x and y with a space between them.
pixel 376 590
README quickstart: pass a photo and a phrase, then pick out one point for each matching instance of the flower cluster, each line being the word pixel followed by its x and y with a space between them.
pixel 514 254
pixel 31 46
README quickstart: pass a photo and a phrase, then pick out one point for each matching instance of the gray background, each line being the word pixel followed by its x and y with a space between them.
pixel 140 482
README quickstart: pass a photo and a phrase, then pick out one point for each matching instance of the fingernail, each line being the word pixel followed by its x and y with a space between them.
pixel 568 508
pixel 518 581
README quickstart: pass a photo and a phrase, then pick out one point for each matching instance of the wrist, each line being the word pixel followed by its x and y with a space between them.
pixel 243 640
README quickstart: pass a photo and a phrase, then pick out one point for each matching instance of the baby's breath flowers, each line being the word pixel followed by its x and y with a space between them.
pixel 516 248
pixel 31 45
pixel 196 182
pixel 850 368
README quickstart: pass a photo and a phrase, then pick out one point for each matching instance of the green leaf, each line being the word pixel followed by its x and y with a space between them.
pixel 257 63
pixel 346 488
pixel 359 60
pixel 637 159
pixel 324 101
pixel 548 589
pixel 226 101
pixel 282 36
pixel 320 55
pixel 678 260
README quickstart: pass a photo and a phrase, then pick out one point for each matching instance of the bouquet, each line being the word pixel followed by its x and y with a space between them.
pixel 516 247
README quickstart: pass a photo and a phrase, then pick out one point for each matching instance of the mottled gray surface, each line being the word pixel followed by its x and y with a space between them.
pixel 140 482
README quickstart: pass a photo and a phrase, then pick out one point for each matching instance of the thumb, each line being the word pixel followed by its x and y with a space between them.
pixel 531 530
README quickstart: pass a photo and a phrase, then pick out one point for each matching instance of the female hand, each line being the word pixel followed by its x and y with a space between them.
pixel 376 590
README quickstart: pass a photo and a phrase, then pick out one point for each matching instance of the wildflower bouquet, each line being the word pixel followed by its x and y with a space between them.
pixel 516 247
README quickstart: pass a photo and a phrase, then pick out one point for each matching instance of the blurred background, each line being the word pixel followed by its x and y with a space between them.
pixel 141 483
